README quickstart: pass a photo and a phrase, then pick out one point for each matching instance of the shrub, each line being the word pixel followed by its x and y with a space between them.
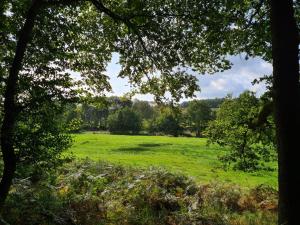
pixel 89 193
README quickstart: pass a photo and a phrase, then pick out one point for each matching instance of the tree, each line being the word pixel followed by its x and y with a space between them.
pixel 41 136
pixel 94 117
pixel 124 121
pixel 270 29
pixel 30 85
pixel 250 144
pixel 285 55
pixel 116 102
pixel 145 110
pixel 72 117
pixel 198 114
pixel 168 122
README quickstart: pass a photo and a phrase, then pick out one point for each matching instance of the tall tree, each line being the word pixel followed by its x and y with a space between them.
pixel 285 55
pixel 10 108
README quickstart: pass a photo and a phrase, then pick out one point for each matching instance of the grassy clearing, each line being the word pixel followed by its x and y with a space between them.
pixel 189 156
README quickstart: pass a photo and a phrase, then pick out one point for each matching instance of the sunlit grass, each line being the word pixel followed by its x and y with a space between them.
pixel 190 156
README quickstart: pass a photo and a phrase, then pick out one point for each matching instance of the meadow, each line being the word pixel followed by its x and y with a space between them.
pixel 186 155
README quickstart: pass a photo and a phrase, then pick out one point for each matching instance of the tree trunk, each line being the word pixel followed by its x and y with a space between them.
pixel 285 41
pixel 198 133
pixel 10 107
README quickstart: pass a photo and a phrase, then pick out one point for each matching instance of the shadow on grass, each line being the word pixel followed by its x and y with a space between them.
pixel 140 148
pixel 152 145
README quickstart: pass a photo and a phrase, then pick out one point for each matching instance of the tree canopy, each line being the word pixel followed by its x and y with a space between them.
pixel 198 113
pixel 124 121
pixel 250 144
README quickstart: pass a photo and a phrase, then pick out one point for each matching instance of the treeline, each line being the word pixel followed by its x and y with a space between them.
pixel 243 124
pixel 120 115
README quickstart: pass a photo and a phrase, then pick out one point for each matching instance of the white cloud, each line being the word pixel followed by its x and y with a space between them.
pixel 218 84
pixel 266 65
pixel 236 80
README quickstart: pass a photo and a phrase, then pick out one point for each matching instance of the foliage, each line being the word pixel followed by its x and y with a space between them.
pixel 236 126
pixel 124 121
pixel 92 115
pixel 168 122
pixel 144 109
pixel 41 136
pixel 89 193
pixel 72 117
pixel 115 102
pixel 212 103
pixel 198 113
pixel 91 112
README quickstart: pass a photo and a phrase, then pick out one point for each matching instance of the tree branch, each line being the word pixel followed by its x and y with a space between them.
pixel 126 20
pixel 257 10
pixel 60 2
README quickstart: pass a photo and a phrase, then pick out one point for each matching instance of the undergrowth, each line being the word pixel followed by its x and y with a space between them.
pixel 96 193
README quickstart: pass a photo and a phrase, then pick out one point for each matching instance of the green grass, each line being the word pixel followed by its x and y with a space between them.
pixel 190 156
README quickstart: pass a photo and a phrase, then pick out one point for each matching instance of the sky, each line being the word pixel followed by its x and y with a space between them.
pixel 233 81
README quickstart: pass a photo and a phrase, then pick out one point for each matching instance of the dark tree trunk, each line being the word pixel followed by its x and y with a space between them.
pixel 198 133
pixel 10 107
pixel 285 41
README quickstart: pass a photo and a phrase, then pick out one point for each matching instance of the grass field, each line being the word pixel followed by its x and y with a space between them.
pixel 190 156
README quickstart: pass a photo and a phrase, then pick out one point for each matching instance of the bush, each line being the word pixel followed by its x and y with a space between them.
pixel 124 121
pixel 89 193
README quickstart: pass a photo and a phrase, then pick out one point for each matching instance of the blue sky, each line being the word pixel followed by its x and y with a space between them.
pixel 233 81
